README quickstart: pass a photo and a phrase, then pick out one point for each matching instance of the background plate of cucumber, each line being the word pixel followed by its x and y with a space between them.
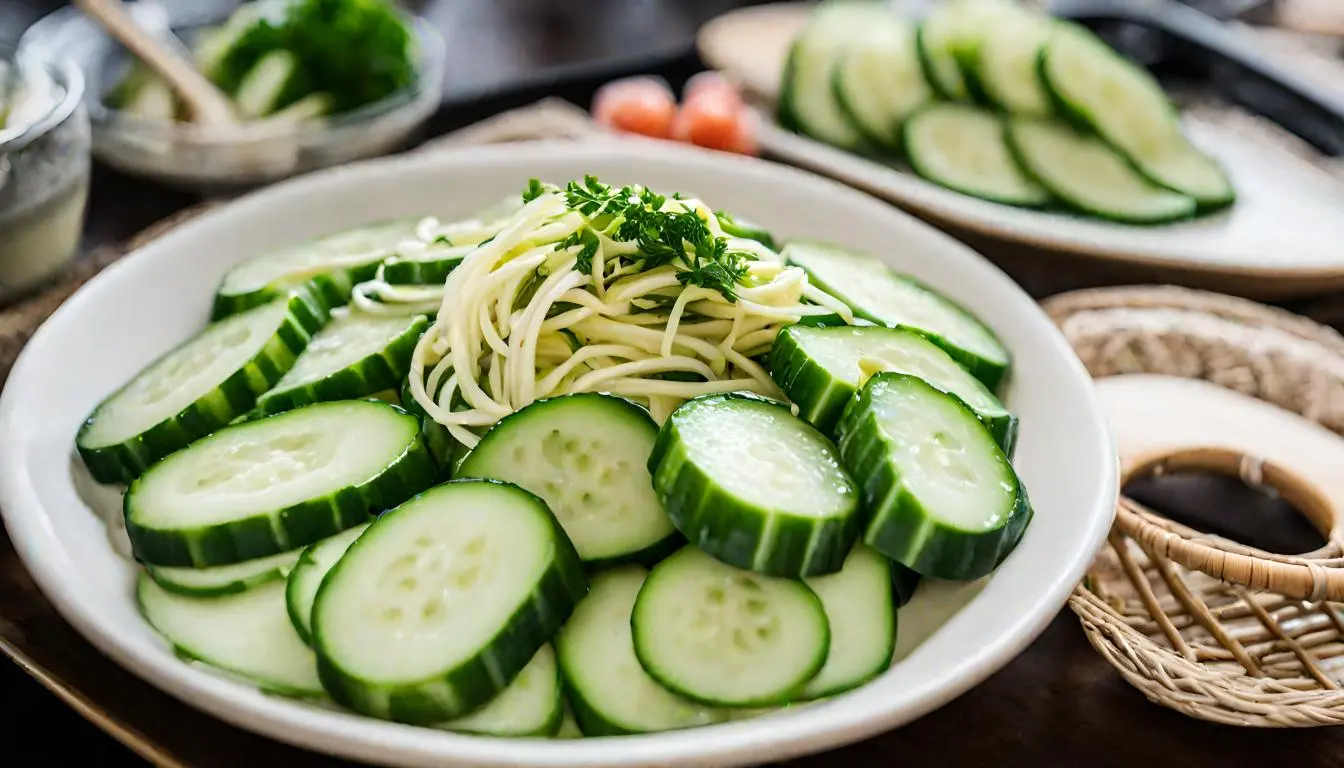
pixel 991 117
pixel 886 495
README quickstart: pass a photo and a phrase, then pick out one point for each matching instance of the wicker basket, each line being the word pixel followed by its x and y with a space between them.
pixel 1198 623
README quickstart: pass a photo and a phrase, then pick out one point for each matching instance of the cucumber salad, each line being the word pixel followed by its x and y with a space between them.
pixel 596 461
pixel 1001 102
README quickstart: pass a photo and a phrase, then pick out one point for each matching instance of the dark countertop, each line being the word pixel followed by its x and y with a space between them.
pixel 1059 705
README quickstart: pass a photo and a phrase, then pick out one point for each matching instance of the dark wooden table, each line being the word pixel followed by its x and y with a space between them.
pixel 1057 706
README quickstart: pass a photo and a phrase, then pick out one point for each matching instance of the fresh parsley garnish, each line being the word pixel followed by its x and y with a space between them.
pixel 534 190
pixel 662 236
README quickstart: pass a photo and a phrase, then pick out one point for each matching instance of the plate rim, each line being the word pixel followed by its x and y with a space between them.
pixel 792 734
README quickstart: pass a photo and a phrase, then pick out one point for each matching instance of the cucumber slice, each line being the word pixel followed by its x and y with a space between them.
pixel 443 601
pixel 246 634
pixel 1124 104
pixel 195 389
pixel 355 356
pixel 745 230
pixel 609 691
pixel 943 499
pixel 268 486
pixel 807 102
pixel 307 575
pixel 934 45
pixel 326 267
pixel 151 98
pixel 531 706
pixel 862 616
pixel 880 295
pixel 224 579
pixel 1007 62
pixel 821 369
pixel 430 267
pixel 752 485
pixel 903 584
pixel 586 456
pixel 1087 175
pixel 310 107
pixel 962 147
pixel 569 728
pixel 267 86
pixel 727 637
pixel 879 81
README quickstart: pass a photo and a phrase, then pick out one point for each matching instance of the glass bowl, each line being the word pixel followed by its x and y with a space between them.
pixel 190 156
pixel 44 170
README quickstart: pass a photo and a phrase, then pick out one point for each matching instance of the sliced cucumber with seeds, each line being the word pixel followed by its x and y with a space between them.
pixel 807 100
pixel 195 389
pixel 962 147
pixel 532 705
pixel 428 267
pixel 586 456
pixel 326 267
pixel 942 498
pixel 727 637
pixel 1007 62
pixel 879 81
pixel 1124 104
pixel 862 616
pixel 880 295
pixel 224 579
pixel 752 485
pixel 307 574
pixel 609 691
pixel 268 486
pixel 820 369
pixel 1087 175
pixel 247 635
pixel 356 355
pixel 443 601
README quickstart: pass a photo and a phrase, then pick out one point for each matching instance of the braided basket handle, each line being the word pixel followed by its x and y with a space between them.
pixel 1312 576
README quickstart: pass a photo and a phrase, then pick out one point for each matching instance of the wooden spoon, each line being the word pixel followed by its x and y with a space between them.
pixel 206 104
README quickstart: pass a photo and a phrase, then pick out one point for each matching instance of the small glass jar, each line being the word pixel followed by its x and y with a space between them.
pixel 44 170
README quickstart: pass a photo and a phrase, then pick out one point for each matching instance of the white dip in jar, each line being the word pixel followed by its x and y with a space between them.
pixel 44 171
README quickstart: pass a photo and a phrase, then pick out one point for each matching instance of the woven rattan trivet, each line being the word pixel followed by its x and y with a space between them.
pixel 1199 623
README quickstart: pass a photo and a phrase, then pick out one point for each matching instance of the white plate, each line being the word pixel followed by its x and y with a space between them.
pixel 160 295
pixel 1281 238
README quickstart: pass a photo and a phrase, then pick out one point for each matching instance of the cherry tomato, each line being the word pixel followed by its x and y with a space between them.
pixel 641 105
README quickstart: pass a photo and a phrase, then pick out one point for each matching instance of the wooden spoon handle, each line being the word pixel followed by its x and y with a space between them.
pixel 205 103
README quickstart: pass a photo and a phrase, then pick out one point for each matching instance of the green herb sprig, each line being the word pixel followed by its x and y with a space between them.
pixel 663 237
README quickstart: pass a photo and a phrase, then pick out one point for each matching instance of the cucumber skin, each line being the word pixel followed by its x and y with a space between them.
pixel 931 72
pixel 896 518
pixel 377 372
pixel 411 272
pixel 903 583
pixel 1020 156
pixel 235 396
pixel 326 291
pixel 711 519
pixel 447 451
pixel 551 604
pixel 800 378
pixel 300 525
